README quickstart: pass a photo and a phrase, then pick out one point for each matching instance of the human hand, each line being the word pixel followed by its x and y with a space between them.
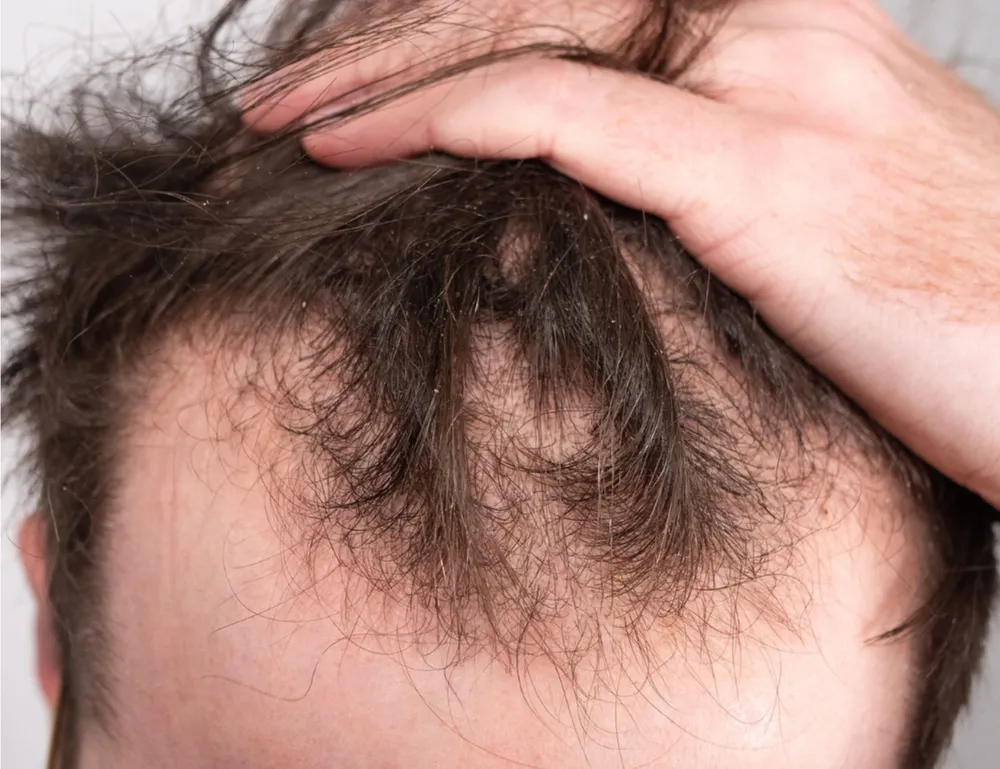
pixel 812 159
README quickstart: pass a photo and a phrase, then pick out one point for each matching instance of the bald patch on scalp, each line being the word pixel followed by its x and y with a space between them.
pixel 557 589
pixel 256 625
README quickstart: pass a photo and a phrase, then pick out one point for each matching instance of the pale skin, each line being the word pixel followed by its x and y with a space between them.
pixel 852 197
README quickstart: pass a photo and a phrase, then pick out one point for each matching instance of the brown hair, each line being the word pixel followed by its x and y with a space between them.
pixel 138 219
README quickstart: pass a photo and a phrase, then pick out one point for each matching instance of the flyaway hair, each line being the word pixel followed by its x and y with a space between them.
pixel 510 400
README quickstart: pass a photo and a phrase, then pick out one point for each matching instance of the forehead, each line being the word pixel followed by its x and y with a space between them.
pixel 231 648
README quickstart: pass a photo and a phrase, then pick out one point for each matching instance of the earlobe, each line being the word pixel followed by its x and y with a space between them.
pixel 31 543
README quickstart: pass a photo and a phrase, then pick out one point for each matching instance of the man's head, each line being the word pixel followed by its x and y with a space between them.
pixel 445 463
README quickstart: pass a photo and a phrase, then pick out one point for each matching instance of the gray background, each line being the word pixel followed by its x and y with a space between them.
pixel 46 36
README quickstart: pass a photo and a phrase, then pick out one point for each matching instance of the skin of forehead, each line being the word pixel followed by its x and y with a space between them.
pixel 225 652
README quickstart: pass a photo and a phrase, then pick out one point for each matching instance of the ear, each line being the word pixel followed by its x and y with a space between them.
pixel 31 542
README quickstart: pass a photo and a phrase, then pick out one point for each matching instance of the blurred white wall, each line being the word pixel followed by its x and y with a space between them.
pixel 45 37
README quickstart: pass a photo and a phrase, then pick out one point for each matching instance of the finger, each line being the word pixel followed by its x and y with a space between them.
pixel 861 20
pixel 324 81
pixel 642 143
pixel 834 80
pixel 348 69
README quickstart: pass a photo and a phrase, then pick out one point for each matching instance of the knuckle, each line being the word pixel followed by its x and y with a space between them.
pixel 559 90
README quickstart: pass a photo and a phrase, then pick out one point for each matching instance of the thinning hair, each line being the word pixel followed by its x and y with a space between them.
pixel 660 435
